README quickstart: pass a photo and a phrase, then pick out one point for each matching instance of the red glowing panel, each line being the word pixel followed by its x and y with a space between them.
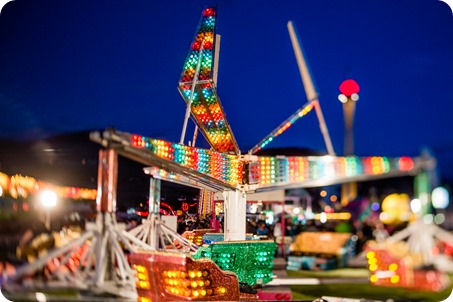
pixel 137 141
pixel 163 276
pixel 391 271
pixel 218 117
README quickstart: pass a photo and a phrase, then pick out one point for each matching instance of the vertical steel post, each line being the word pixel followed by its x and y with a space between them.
pixel 154 208
pixel 422 190
pixel 235 209
pixel 107 181
pixel 216 59
pixel 349 189
pixel 154 195
pixel 106 207
pixel 348 111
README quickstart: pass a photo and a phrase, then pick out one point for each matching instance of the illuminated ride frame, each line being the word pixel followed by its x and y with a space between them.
pixel 153 270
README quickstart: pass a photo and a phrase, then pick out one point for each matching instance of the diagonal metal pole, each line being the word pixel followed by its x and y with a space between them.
pixel 282 127
pixel 189 103
pixel 310 91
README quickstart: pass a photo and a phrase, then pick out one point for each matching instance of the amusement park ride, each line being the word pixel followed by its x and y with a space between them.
pixel 161 265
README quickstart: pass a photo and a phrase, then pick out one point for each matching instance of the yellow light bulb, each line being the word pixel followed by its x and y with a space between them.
pixel 141 269
pixel 395 279
pixel 222 290
pixel 393 267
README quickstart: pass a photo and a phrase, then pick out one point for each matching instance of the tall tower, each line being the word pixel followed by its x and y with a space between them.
pixel 349 96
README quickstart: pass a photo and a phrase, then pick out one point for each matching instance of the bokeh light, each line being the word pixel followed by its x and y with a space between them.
pixel 397 208
pixel 416 205
pixel 440 198
pixel 48 198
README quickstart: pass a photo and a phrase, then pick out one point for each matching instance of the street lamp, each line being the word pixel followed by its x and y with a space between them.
pixel 349 96
pixel 48 199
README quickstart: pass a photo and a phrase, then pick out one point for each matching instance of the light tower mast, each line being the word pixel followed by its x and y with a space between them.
pixel 349 96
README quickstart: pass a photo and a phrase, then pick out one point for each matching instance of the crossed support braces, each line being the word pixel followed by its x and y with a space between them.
pixel 101 264
pixel 96 261
pixel 154 232
pixel 421 238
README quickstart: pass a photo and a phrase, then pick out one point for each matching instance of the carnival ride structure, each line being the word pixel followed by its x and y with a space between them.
pixel 409 258
pixel 158 254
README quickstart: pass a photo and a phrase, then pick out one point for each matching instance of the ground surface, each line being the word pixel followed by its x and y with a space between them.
pixel 358 290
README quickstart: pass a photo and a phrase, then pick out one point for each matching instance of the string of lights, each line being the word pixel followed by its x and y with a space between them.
pixel 19 186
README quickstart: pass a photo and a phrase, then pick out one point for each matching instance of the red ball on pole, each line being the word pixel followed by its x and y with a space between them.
pixel 349 87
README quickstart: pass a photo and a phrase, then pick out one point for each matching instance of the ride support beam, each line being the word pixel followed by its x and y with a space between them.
pixel 235 215
pixel 154 196
pixel 107 181
pixel 154 212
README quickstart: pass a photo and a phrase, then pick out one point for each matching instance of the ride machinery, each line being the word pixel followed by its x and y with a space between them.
pixel 163 266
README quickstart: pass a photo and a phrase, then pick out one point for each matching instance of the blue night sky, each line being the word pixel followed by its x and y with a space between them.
pixel 69 66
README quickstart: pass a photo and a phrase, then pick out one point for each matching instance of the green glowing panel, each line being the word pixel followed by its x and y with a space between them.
pixel 251 261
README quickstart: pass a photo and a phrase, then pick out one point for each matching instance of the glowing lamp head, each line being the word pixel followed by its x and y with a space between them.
pixel 355 97
pixel 342 98
pixel 48 198
pixel 350 88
